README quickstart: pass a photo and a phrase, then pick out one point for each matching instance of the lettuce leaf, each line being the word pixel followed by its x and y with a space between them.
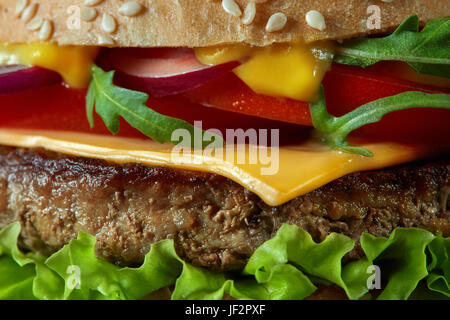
pixel 402 256
pixel 413 263
pixel 439 268
pixel 19 286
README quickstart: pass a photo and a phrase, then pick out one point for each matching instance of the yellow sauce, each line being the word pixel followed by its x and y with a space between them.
pixel 283 70
pixel 73 63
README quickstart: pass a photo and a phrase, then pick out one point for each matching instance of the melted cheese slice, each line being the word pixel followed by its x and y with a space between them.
pixel 300 168
pixel 73 63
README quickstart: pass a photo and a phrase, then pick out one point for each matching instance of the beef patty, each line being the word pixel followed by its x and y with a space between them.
pixel 214 221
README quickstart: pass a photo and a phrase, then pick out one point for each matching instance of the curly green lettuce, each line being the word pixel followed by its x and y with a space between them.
pixel 414 263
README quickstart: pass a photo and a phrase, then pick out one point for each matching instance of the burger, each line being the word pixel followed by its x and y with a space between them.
pixel 240 149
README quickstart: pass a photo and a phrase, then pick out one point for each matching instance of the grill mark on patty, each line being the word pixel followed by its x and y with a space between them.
pixel 214 221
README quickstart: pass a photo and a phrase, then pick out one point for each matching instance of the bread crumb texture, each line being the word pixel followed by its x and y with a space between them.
pixel 199 23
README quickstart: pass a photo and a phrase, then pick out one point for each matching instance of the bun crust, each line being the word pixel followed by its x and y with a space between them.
pixel 198 23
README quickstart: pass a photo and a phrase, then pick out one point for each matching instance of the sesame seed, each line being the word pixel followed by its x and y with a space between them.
pixel 109 24
pixel 29 12
pixel 46 30
pixel 105 40
pixel 20 6
pixel 387 0
pixel 35 23
pixel 249 13
pixel 276 22
pixel 88 14
pixel 231 7
pixel 130 9
pixel 92 3
pixel 315 20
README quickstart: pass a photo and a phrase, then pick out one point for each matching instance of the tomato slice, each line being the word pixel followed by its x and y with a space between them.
pixel 346 88
pixel 59 108
pixel 227 103
pixel 231 94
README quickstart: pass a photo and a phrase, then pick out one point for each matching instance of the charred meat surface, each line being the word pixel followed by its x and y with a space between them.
pixel 214 222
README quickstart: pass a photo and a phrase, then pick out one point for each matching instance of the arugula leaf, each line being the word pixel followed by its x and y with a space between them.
pixel 334 130
pixel 112 102
pixel 427 51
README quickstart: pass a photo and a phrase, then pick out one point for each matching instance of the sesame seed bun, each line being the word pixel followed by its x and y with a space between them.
pixel 197 23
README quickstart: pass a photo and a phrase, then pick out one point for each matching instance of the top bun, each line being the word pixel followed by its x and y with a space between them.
pixel 198 23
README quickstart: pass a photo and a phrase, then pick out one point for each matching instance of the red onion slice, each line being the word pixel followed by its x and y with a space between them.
pixel 17 78
pixel 162 72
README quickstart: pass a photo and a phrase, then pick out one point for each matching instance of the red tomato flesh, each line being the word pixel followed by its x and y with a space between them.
pixel 346 88
pixel 357 86
pixel 227 103
pixel 62 109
